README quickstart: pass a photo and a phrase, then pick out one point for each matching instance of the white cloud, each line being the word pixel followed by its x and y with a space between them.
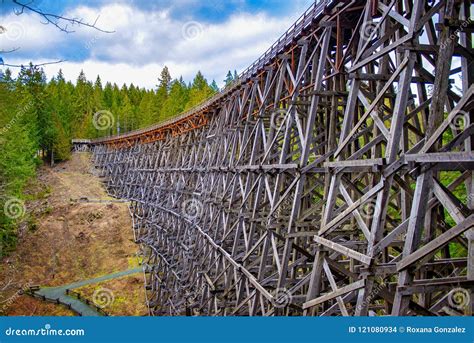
pixel 144 42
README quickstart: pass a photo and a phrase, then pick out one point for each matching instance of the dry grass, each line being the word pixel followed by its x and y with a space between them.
pixel 27 306
pixel 72 241
pixel 128 295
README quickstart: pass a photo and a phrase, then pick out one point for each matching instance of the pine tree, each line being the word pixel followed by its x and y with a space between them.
pixel 60 77
pixel 214 86
pixel 161 92
pixel 83 106
pixel 18 144
pixel 98 95
pixel 229 78
pixel 108 95
pixel 31 82
pixel 98 83
pixel 146 109
pixel 7 79
pixel 176 101
pixel 126 115
pixel 62 141
pixel 164 81
pixel 199 91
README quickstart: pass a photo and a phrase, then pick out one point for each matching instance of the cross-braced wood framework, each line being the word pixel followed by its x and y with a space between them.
pixel 334 178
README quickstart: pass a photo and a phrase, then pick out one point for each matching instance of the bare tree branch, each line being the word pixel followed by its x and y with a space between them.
pixel 59 21
pixel 9 51
pixel 34 65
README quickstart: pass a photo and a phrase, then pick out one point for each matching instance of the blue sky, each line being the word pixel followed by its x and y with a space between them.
pixel 186 35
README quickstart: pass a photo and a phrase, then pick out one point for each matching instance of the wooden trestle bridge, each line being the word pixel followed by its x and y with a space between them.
pixel 335 177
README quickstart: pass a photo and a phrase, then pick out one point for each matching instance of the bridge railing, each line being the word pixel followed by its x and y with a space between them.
pixel 294 31
pixel 89 303
pixel 312 13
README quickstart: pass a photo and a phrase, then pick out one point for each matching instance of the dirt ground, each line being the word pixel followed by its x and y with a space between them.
pixel 69 240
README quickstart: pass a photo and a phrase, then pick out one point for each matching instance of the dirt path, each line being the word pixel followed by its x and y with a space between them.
pixel 72 241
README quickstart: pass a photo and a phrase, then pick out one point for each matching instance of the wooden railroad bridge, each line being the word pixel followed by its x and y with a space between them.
pixel 335 177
